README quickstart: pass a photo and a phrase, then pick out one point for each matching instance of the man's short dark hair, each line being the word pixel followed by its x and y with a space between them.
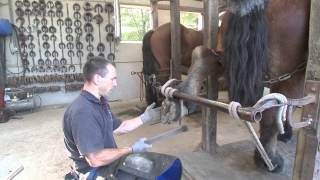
pixel 96 65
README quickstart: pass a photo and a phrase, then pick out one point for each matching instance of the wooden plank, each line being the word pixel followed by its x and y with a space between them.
pixel 175 39
pixel 209 118
pixel 307 162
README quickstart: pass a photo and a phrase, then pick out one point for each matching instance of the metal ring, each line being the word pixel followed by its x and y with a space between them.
pixel 26 3
pixel 46 45
pixel 18 3
pixel 32 54
pixel 31 45
pixel 76 7
pixel 77 23
pixel 20 21
pixel 35 4
pixel 45 37
pixel 58 5
pixel 19 11
pixel 78 30
pixel 77 15
pixel 44 29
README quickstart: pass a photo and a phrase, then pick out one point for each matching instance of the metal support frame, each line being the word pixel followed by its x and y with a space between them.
pixel 175 39
pixel 307 162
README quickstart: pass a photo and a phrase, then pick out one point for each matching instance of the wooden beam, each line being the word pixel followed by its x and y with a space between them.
pixel 167 7
pixel 154 12
pixel 209 118
pixel 175 39
pixel 307 162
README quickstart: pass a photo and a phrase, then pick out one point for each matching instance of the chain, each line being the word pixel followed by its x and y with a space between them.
pixel 286 76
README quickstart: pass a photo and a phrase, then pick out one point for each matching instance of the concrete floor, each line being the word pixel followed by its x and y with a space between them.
pixel 36 141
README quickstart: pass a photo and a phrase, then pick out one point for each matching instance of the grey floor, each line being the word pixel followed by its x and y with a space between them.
pixel 36 142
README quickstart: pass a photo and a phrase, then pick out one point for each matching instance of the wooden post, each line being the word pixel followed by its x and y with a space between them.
pixel 175 39
pixel 209 115
pixel 154 12
pixel 307 162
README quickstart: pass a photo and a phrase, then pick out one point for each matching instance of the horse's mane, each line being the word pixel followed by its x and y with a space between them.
pixel 246 55
pixel 148 58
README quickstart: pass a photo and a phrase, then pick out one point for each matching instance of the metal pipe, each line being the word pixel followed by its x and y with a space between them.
pixel 245 113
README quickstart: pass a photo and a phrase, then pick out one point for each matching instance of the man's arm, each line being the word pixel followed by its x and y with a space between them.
pixel 106 156
pixel 128 125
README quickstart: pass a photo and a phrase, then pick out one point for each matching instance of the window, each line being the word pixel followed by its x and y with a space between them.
pixel 191 20
pixel 135 22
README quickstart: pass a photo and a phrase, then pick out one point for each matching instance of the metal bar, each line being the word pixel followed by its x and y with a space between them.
pixel 166 134
pixel 175 39
pixel 245 113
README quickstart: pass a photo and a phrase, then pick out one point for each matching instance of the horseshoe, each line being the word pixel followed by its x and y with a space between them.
pixel 50 4
pixel 36 21
pixel 44 29
pixel 79 45
pixel 35 4
pixel 88 28
pixel 23 45
pixel 34 68
pixel 109 8
pixel 68 30
pixel 22 29
pixel 42 5
pixel 18 3
pixel 110 37
pixel 77 23
pixel 111 56
pixel 30 37
pixel 70 53
pixel 19 12
pixel 79 53
pixel 52 29
pixel 62 45
pixel 60 22
pixel 55 54
pixel 87 17
pixel 25 62
pixel 78 30
pixel 68 21
pixel 44 21
pixel 40 62
pixel 32 54
pixel 46 45
pixel 53 37
pixel 47 53
pixel 55 62
pixel 58 5
pixel 70 45
pixel 72 68
pixel 56 68
pixel 109 28
pixel 49 68
pixel 26 3
pixel 31 46
pixel 89 37
pixel 20 20
pixel 101 54
pixel 36 12
pixel 87 6
pixel 41 69
pixel 63 69
pixel 98 8
pixel 63 61
pixel 100 47
pixel 51 12
pixel 77 15
pixel 59 13
pixel 69 37
pixel 76 7
pixel 48 62
pixel 45 37
pixel 90 55
pixel 90 47
pixel 98 19
pixel 27 12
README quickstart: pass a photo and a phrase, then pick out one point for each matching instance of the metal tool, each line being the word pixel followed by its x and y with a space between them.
pixel 166 134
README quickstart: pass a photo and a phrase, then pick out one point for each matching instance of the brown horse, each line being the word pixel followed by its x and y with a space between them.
pixel 257 41
pixel 156 50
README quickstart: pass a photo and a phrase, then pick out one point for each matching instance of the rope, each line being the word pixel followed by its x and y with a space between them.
pixel 168 91
pixel 233 106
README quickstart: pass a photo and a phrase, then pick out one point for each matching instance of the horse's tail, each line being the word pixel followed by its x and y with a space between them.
pixel 149 67
pixel 246 51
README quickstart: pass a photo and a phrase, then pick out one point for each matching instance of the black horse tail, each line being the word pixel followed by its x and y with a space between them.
pixel 149 67
pixel 246 51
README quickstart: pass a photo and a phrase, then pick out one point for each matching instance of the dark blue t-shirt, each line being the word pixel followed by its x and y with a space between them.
pixel 88 126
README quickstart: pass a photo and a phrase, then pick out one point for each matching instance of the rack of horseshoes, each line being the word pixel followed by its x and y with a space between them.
pixel 56 37
pixel 249 114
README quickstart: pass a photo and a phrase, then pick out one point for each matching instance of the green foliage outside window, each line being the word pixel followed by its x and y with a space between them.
pixel 135 22
pixel 189 20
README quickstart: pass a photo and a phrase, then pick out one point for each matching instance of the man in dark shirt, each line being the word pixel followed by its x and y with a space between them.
pixel 89 124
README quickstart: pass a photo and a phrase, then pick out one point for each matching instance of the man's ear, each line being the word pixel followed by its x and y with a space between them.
pixel 96 79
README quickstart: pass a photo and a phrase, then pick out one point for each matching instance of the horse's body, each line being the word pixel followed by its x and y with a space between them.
pixel 157 54
pixel 265 39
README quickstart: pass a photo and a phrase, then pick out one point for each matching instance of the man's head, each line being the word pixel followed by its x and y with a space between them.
pixel 101 73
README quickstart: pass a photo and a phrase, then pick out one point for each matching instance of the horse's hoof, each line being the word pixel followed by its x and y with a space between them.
pixel 284 137
pixel 276 160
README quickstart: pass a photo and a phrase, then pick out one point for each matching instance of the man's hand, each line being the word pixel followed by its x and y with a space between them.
pixel 140 146
pixel 151 113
